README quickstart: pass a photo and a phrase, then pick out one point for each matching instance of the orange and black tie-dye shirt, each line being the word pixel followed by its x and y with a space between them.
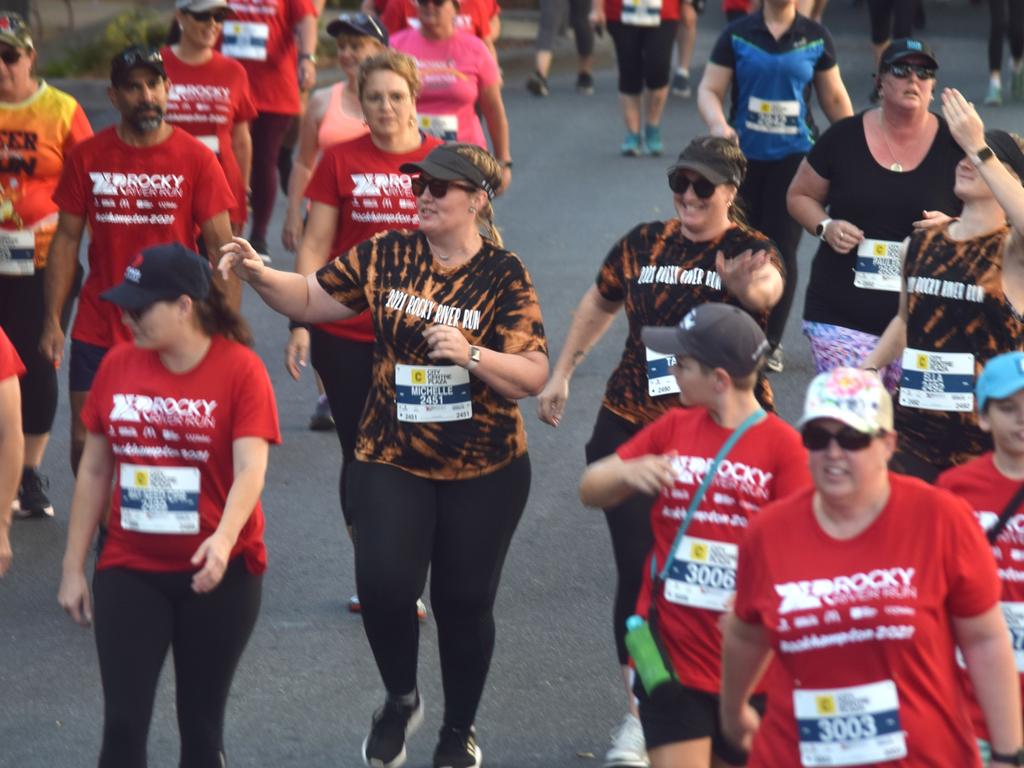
pixel 490 299
pixel 659 275
pixel 955 305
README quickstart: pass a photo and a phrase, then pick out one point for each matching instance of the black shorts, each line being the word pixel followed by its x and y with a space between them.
pixel 85 361
pixel 677 713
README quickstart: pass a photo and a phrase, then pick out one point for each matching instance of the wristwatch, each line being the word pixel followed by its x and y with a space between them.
pixel 1016 758
pixel 474 358
pixel 819 230
pixel 308 57
pixel 983 154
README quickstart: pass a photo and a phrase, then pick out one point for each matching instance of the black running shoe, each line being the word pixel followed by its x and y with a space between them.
pixel 392 725
pixel 537 84
pixel 32 499
pixel 585 83
pixel 457 748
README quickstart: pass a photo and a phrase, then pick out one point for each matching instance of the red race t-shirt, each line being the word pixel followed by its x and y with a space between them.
pixel 261 35
pixel 171 436
pixel 767 463
pixel 10 363
pixel 209 100
pixel 862 630
pixel 988 491
pixel 132 198
pixel 669 10
pixel 363 182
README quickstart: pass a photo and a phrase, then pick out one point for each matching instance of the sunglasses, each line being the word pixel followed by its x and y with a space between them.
pixel 137 55
pixel 137 314
pixel 205 16
pixel 902 71
pixel 817 438
pixel 10 56
pixel 438 187
pixel 431 2
pixel 679 183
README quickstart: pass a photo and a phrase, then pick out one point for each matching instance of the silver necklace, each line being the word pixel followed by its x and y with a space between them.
pixel 895 165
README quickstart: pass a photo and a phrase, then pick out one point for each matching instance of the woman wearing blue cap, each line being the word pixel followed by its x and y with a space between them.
pixel 178 424
pixel 962 294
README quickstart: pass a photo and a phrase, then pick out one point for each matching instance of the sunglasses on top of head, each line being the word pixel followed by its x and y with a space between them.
pixel 680 182
pixel 438 187
pixel 903 71
pixel 204 16
pixel 817 438
pixel 360 20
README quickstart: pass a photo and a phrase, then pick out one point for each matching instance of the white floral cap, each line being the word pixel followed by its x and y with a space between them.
pixel 856 398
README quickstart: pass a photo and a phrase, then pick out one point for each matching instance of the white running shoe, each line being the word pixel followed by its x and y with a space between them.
pixel 628 749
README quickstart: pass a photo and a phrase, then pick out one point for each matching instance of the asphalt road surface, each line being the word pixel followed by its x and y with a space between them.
pixel 307 685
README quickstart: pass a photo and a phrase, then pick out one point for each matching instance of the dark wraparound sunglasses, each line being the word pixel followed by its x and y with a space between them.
pixel 205 16
pixel 817 438
pixel 431 2
pixel 438 187
pixel 10 56
pixel 902 71
pixel 136 55
pixel 680 182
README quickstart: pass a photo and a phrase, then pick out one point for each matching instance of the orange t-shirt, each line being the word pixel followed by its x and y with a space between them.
pixel 35 136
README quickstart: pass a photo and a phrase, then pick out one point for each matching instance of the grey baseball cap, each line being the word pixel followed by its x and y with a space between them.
pixel 717 335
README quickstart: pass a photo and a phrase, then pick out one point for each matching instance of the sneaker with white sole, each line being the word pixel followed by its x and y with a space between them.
pixel 393 723
pixel 457 748
pixel 628 749
pixel 32 500
pixel 681 85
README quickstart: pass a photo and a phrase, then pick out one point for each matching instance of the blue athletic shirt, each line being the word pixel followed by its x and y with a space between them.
pixel 771 83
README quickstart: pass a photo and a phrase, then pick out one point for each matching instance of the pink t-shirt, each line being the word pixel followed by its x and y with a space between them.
pixel 454 71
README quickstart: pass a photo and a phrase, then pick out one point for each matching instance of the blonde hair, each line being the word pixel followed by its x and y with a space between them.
pixel 392 61
pixel 491 169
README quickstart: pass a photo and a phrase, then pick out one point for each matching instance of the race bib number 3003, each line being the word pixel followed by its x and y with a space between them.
pixel 859 725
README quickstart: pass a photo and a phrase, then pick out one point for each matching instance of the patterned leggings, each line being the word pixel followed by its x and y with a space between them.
pixel 833 346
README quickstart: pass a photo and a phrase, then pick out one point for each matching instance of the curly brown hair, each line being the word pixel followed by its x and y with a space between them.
pixel 392 61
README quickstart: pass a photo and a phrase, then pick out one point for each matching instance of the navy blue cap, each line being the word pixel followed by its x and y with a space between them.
pixel 161 273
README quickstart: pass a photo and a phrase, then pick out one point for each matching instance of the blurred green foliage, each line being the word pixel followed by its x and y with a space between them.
pixel 137 27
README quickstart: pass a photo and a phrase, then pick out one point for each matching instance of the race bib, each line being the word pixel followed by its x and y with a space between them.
pixel 660 380
pixel 937 381
pixel 641 13
pixel 859 725
pixel 159 499
pixel 245 40
pixel 444 127
pixel 433 393
pixel 878 265
pixel 778 117
pixel 1014 613
pixel 211 142
pixel 702 574
pixel 17 252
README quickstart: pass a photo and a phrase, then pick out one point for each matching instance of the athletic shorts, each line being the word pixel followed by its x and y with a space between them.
pixel 678 713
pixel 85 361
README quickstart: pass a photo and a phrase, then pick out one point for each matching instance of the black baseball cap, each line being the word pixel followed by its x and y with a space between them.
pixel 136 56
pixel 161 273
pixel 717 335
pixel 359 24
pixel 905 48
pixel 1005 147
pixel 448 165
pixel 701 156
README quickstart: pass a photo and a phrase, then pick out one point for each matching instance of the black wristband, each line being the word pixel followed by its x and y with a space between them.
pixel 1015 758
pixel 293 324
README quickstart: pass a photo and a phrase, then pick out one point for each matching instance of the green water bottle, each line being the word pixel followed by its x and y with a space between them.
pixel 647 658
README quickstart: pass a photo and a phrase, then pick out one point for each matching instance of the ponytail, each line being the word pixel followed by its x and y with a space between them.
pixel 216 318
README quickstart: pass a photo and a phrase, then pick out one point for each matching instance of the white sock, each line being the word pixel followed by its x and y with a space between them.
pixel 994 80
pixel 682 71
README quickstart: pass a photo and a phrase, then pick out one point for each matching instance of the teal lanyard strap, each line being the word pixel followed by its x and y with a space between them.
pixel 709 476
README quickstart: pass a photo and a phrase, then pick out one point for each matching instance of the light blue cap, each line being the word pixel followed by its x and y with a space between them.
pixel 1003 376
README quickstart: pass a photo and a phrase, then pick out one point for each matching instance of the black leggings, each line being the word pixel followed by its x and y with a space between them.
pixel 139 615
pixel 629 524
pixel 460 530
pixel 763 192
pixel 268 130
pixel 1006 18
pixel 891 19
pixel 552 14
pixel 644 55
pixel 21 317
pixel 345 369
